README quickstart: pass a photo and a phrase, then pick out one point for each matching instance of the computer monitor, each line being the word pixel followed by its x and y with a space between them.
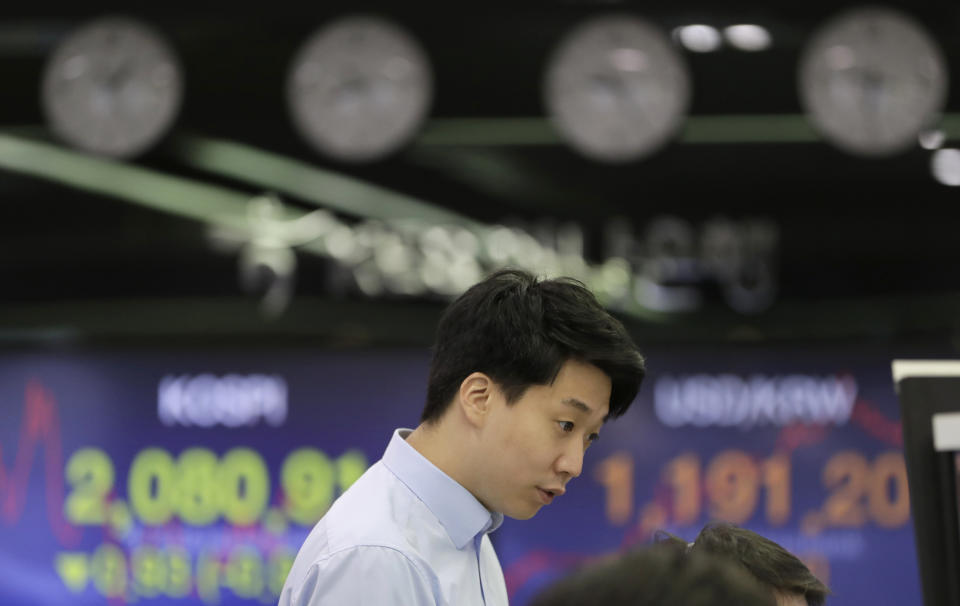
pixel 929 392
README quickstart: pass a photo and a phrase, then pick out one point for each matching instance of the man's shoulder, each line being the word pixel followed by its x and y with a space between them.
pixel 362 573
pixel 371 529
pixel 376 510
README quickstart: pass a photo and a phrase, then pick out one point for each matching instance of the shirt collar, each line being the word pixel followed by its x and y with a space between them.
pixel 460 513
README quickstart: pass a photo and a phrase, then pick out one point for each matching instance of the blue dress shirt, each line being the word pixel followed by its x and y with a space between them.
pixel 404 534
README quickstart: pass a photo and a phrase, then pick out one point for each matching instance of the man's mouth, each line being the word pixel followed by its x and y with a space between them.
pixel 547 494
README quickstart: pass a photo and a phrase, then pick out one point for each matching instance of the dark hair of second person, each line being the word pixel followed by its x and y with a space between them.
pixel 658 575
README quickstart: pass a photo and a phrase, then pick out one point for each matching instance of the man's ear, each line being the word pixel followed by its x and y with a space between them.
pixel 476 396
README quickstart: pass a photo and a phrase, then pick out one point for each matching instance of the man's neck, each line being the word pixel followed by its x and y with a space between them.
pixel 434 442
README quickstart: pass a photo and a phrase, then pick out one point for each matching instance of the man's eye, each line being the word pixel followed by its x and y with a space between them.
pixel 593 438
pixel 566 426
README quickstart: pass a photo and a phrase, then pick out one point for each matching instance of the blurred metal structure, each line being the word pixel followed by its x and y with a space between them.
pixel 862 248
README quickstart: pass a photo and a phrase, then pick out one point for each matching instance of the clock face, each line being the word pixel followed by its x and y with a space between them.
pixel 112 87
pixel 616 88
pixel 871 80
pixel 359 88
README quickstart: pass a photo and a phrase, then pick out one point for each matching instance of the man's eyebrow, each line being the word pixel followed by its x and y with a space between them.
pixel 582 407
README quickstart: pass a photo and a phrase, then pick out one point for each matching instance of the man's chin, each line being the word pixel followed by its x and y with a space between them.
pixel 522 513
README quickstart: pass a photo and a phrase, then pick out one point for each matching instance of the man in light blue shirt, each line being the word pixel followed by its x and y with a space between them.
pixel 523 377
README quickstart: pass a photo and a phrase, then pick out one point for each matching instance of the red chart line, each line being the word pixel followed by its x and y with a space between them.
pixel 40 427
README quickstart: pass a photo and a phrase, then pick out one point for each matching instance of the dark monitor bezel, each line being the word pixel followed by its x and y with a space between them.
pixel 932 484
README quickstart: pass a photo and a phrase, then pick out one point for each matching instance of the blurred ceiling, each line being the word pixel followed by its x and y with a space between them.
pixel 850 229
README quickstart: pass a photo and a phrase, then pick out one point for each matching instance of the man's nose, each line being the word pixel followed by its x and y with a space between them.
pixel 570 463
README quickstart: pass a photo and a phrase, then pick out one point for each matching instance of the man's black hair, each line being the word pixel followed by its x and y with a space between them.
pixel 767 561
pixel 659 575
pixel 520 331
